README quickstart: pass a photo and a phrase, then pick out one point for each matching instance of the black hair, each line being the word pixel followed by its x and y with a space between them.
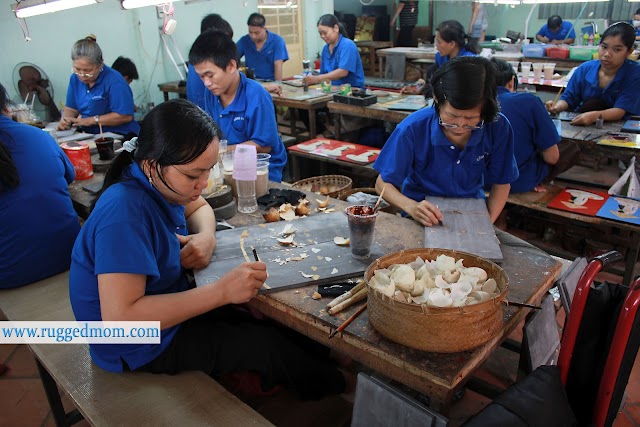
pixel 126 67
pixel 453 31
pixel 214 46
pixel 9 177
pixel 213 21
pixel 637 12
pixel 554 22
pixel 256 20
pixel 330 20
pixel 626 31
pixel 464 82
pixel 504 72
pixel 175 132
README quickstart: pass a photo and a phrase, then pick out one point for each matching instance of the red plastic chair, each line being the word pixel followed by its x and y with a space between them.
pixel 614 378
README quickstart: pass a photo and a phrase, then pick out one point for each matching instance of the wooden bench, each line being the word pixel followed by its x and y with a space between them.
pixel 109 399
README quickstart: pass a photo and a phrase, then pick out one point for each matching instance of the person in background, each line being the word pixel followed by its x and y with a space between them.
pixel 407 10
pixel 340 61
pixel 31 82
pixel 242 107
pixel 97 94
pixel 556 31
pixel 636 23
pixel 451 42
pixel 38 224
pixel 535 136
pixel 606 87
pixel 449 149
pixel 265 52
pixel 132 268
pixel 479 22
pixel 195 87
pixel 126 67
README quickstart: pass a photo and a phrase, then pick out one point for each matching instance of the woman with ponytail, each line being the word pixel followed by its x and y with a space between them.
pixel 448 150
pixel 148 226
pixel 451 42
pixel 38 224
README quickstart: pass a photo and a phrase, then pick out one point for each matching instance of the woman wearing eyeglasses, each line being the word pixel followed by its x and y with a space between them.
pixel 449 149
pixel 97 94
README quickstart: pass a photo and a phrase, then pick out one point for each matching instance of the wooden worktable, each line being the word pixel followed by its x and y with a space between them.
pixel 531 273
pixel 371 46
pixel 297 98
pixel 173 87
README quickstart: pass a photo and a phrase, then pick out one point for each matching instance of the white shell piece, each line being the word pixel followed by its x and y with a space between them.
pixel 382 278
pixel 400 296
pixel 288 229
pixel 341 241
pixel 440 298
pixel 315 250
pixel 404 276
pixel 422 271
pixel 480 296
pixel 444 263
pixel 462 287
pixel 419 262
pixel 451 276
pixel 490 286
pixel 476 272
pixel 334 271
pixel 471 279
pixel 286 241
pixel 441 283
pixel 418 288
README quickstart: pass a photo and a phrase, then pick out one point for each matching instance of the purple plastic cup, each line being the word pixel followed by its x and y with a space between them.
pixel 245 163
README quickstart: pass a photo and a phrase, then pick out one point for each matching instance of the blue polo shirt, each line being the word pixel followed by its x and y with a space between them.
pixel 38 224
pixel 250 116
pixel 109 94
pixel 419 159
pixel 195 87
pixel 533 132
pixel 274 49
pixel 561 34
pixel 621 92
pixel 441 60
pixel 345 56
pixel 141 242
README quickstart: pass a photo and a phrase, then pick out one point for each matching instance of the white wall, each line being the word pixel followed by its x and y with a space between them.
pixel 132 33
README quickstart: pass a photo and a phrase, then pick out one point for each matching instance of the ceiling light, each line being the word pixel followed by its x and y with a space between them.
pixel 511 2
pixel 27 8
pixel 132 4
pixel 560 1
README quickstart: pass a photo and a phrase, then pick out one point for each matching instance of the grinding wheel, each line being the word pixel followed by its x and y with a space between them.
pixel 227 211
pixel 219 198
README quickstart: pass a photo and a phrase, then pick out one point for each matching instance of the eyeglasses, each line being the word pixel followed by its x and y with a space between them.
pixel 452 126
pixel 85 75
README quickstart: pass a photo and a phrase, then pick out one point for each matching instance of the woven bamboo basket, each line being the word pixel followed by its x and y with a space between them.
pixel 327 185
pixel 436 329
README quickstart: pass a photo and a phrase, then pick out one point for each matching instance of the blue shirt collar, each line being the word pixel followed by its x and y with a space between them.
pixel 239 103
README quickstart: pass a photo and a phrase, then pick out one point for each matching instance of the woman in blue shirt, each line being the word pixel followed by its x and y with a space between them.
pixel 340 61
pixel 451 42
pixel 97 94
pixel 448 150
pixel 38 224
pixel 132 267
pixel 606 87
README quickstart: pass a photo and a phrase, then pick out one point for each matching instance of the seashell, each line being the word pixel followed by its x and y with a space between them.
pixel 288 230
pixel 403 276
pixel 463 287
pixel 287 212
pixel 490 286
pixel 418 288
pixel 480 296
pixel 400 296
pixel 440 298
pixel 341 241
pixel 302 208
pixel 272 215
pixel 445 263
pixel 422 271
pixel 286 241
pixel 476 272
pixel 441 283
pixel 451 276
pixel 382 278
pixel 419 262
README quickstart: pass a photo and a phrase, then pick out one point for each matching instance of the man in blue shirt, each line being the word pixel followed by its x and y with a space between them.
pixel 264 51
pixel 534 133
pixel 556 31
pixel 242 108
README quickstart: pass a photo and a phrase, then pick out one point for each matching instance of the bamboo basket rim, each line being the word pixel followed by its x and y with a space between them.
pixel 344 183
pixel 488 305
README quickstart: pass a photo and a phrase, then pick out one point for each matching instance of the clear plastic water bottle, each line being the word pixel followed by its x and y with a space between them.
pixel 245 174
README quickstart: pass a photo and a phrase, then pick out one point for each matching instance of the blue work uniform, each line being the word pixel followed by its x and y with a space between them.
pixel 533 132
pixel 261 61
pixel 419 159
pixel 195 87
pixel 561 34
pixel 38 224
pixel 141 242
pixel 441 60
pixel 345 56
pixel 250 116
pixel 621 92
pixel 109 94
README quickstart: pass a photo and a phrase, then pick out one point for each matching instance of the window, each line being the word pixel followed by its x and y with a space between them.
pixel 284 17
pixel 614 10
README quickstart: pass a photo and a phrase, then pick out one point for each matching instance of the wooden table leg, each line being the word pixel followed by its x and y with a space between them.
pixel 381 67
pixel 372 60
pixel 293 115
pixel 337 119
pixel 312 123
pixel 166 96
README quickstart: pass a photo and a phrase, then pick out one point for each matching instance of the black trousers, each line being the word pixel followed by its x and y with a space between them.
pixel 227 340
pixel 405 36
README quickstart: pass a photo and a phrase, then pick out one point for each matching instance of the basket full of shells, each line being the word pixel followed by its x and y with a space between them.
pixel 436 300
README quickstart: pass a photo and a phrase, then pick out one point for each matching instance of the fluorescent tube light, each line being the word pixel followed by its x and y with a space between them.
pixel 560 1
pixel 516 2
pixel 27 8
pixel 132 4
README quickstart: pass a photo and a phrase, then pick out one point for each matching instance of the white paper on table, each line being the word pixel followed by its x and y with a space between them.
pixel 630 176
